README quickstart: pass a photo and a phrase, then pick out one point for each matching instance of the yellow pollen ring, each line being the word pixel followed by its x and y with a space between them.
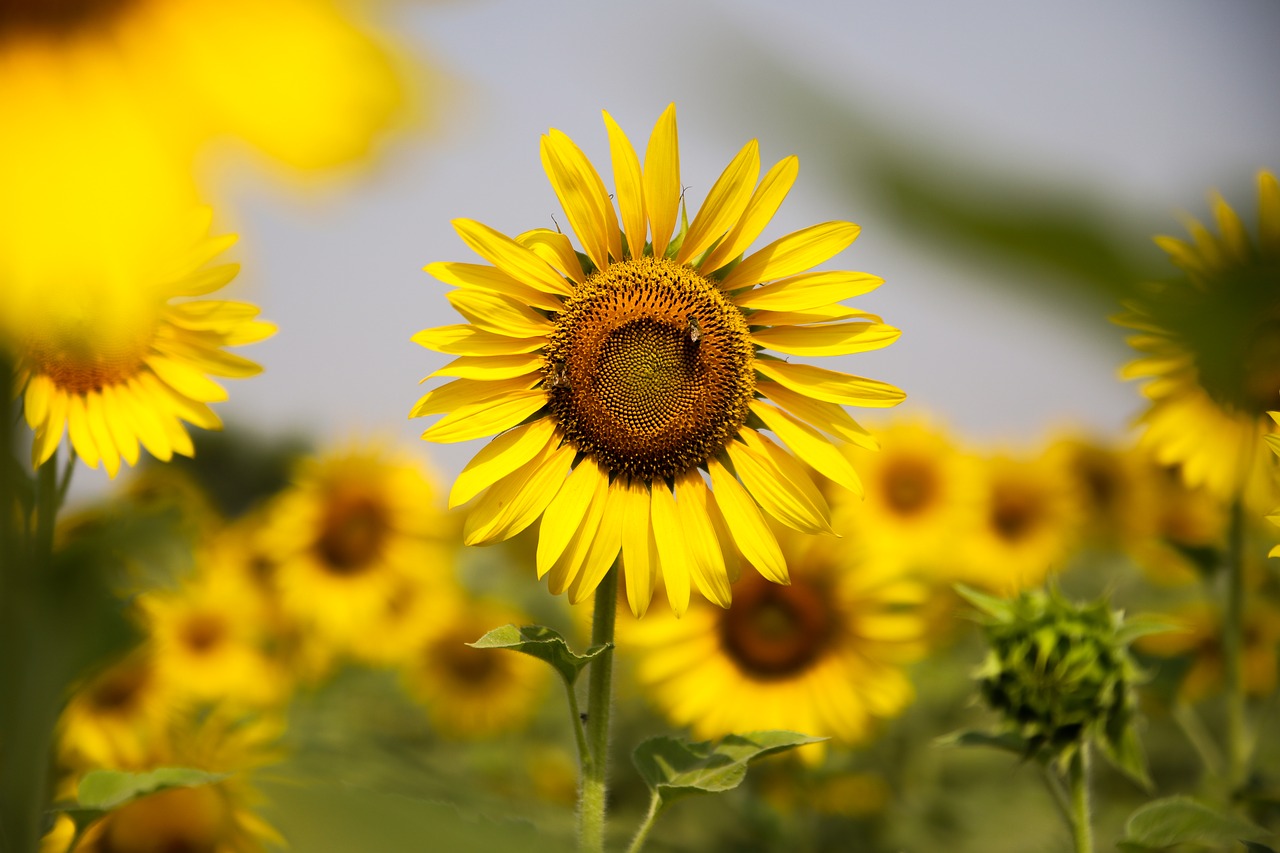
pixel 649 369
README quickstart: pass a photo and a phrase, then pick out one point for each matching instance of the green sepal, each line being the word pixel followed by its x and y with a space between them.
pixel 674 768
pixel 544 644
pixel 1183 820
pixel 109 789
pixel 1123 749
pixel 1144 624
pixel 997 608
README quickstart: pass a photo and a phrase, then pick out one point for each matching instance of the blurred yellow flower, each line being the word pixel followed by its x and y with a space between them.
pixel 823 655
pixel 1114 489
pixel 1024 521
pixel 355 526
pixel 1199 640
pixel 113 719
pixel 627 387
pixel 1210 341
pixel 474 693
pixel 1184 521
pixel 106 355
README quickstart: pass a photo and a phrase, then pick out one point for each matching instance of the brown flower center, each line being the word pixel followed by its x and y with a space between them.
pixel 1015 511
pixel 909 485
pixel 776 632
pixel 117 691
pixel 649 369
pixel 57 17
pixel 352 534
pixel 465 666
pixel 203 632
pixel 180 820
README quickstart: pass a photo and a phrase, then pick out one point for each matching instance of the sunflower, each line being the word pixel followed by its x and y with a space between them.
pixel 355 526
pixel 112 360
pixel 1210 340
pixel 219 817
pixel 473 693
pixel 1184 522
pixel 627 386
pixel 1114 486
pixel 914 487
pixel 1024 520
pixel 824 654
pixel 295 78
pixel 1199 641
pixel 111 720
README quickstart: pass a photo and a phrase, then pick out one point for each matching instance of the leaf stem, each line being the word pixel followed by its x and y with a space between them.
pixel 1078 775
pixel 642 834
pixel 1233 651
pixel 1198 736
pixel 591 805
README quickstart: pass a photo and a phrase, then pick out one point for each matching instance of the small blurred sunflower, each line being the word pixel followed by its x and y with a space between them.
pixel 1114 488
pixel 113 355
pixel 219 817
pixel 112 719
pixel 913 487
pixel 356 523
pixel 1025 519
pixel 473 693
pixel 1184 522
pixel 628 387
pixel 1210 341
pixel 1199 642
pixel 824 654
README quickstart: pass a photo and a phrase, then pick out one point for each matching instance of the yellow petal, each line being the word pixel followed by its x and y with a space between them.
pixel 206 359
pixel 603 553
pixel 825 314
pixel 513 503
pixel 763 205
pixel 94 417
pixel 501 457
pixel 827 417
pixel 827 339
pixel 493 280
pixel 78 430
pixel 509 256
pixel 35 402
pixel 662 180
pixel 675 559
pixel 464 339
pixel 498 314
pixel 792 254
pixel 808 290
pixel 186 380
pixel 49 433
pixel 728 549
pixel 133 399
pixel 566 511
pixel 629 181
pixel 205 281
pixel 779 484
pixel 746 525
pixel 569 565
pixel 492 366
pixel 554 248
pixel 487 418
pixel 468 392
pixel 724 204
pixel 810 445
pixel 581 194
pixel 120 425
pixel 1234 237
pixel 706 556
pixel 830 385
pixel 639 557
pixel 183 407
pixel 1268 214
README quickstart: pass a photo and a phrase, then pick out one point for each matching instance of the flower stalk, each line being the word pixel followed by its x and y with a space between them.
pixel 1233 652
pixel 592 799
pixel 1081 810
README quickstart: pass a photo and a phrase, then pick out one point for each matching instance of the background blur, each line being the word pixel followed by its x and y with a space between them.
pixel 1061 136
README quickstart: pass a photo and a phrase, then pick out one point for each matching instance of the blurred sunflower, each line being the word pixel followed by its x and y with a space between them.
pixel 1114 487
pixel 473 693
pixel 112 719
pixel 108 357
pixel 355 524
pixel 627 386
pixel 1185 522
pixel 295 78
pixel 219 817
pixel 1210 340
pixel 914 485
pixel 1199 642
pixel 209 636
pixel 824 654
pixel 1025 520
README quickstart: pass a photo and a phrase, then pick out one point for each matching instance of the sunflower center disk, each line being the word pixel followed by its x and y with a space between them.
pixel 774 631
pixel 57 17
pixel 649 369
pixel 354 529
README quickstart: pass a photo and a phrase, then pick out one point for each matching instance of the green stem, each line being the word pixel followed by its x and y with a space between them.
pixel 584 754
pixel 1233 651
pixel 1081 826
pixel 642 834
pixel 1058 793
pixel 591 805
pixel 1189 721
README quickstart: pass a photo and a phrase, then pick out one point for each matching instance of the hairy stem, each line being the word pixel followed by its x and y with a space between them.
pixel 591 805
pixel 1081 826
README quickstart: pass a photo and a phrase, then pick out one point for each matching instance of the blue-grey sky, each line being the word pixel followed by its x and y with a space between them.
pixel 1140 107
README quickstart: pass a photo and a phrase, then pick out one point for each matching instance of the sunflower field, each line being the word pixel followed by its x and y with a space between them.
pixel 594 478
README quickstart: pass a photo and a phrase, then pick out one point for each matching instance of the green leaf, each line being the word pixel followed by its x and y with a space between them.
pixel 1144 624
pixel 997 608
pixel 1255 847
pixel 542 643
pixel 673 768
pixel 1183 820
pixel 1126 754
pixel 109 789
pixel 1007 741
